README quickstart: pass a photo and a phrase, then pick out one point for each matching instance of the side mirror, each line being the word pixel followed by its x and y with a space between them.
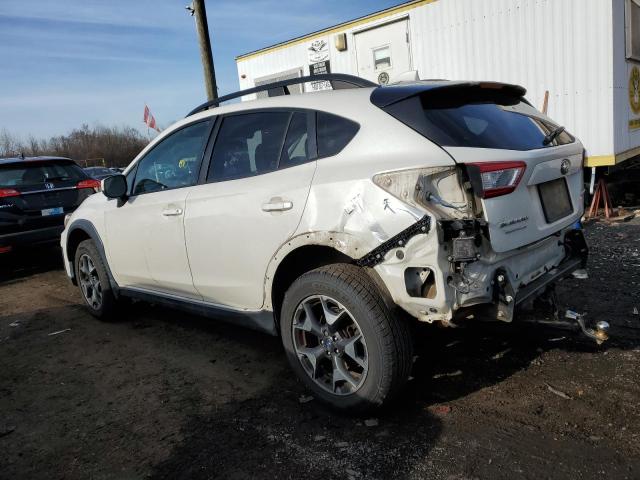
pixel 115 186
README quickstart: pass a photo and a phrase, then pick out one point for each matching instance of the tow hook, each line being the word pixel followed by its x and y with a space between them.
pixel 600 333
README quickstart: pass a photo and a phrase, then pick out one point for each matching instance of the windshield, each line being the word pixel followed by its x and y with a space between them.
pixel 37 173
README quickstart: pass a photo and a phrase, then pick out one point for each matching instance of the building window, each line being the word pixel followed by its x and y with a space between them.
pixel 382 57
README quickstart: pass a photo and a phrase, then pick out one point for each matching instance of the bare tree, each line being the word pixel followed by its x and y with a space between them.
pixel 117 146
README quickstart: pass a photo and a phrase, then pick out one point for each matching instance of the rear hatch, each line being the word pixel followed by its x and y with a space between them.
pixel 37 194
pixel 524 169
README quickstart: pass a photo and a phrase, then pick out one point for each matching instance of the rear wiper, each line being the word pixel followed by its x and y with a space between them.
pixel 552 135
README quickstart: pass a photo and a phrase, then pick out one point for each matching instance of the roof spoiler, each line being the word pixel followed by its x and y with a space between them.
pixel 385 96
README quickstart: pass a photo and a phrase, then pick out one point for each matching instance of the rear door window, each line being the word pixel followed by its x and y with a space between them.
pixel 296 150
pixel 334 133
pixel 250 144
pixel 473 118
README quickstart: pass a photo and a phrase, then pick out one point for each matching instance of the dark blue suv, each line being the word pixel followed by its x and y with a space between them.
pixel 35 195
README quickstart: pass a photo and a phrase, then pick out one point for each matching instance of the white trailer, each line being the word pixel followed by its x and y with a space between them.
pixel 585 53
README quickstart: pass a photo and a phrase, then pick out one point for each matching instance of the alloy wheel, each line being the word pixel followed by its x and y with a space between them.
pixel 330 345
pixel 90 281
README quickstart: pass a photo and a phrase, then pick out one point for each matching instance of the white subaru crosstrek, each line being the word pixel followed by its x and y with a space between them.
pixel 339 218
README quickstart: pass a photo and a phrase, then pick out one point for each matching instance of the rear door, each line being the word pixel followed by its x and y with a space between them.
pixel 37 194
pixel 257 186
pixel 530 184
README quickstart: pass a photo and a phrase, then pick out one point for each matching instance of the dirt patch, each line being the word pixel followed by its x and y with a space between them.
pixel 161 394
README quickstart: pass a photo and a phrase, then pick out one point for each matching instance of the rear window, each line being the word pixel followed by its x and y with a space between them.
pixel 334 133
pixel 36 173
pixel 476 118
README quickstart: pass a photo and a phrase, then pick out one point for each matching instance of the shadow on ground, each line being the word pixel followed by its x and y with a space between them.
pixel 274 435
pixel 29 261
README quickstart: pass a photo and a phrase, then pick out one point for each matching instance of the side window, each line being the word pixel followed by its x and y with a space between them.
pixel 248 144
pixel 296 145
pixel 174 162
pixel 334 133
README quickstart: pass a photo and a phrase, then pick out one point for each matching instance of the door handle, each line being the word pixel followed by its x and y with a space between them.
pixel 277 205
pixel 172 212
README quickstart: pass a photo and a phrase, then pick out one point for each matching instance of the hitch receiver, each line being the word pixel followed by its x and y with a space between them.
pixel 600 333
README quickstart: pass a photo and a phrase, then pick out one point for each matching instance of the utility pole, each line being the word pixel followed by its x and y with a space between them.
pixel 198 10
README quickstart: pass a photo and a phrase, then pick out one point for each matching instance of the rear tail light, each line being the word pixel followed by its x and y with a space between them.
pixel 5 249
pixel 8 192
pixel 439 189
pixel 493 179
pixel 89 183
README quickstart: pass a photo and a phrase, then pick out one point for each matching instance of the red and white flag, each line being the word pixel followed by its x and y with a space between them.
pixel 150 119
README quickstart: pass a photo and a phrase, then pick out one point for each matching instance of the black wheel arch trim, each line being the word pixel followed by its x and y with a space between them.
pixel 89 229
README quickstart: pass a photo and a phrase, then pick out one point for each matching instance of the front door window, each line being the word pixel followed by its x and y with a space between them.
pixel 174 162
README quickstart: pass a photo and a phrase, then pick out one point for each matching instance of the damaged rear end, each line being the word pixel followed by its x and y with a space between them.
pixel 507 215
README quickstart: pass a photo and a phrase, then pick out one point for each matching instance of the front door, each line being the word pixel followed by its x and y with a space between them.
pixel 259 179
pixel 383 52
pixel 145 235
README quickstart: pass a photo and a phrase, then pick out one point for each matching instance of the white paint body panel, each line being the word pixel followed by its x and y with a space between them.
pixel 147 248
pixel 575 49
pixel 231 239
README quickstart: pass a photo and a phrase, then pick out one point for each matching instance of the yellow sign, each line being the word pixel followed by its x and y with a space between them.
pixel 634 90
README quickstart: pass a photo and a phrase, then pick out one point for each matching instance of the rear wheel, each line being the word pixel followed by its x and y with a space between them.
pixel 93 280
pixel 342 340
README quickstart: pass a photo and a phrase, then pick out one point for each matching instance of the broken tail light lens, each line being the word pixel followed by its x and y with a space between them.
pixel 493 179
pixel 89 183
pixel 439 189
pixel 8 192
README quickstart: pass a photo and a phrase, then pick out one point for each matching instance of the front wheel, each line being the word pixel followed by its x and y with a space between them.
pixel 93 281
pixel 342 340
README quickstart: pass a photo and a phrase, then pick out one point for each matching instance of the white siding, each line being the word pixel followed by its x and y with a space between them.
pixel 625 139
pixel 564 46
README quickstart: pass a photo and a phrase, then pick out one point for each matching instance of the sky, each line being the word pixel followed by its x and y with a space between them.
pixel 68 62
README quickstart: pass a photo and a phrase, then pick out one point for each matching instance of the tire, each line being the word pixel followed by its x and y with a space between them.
pixel 101 287
pixel 378 364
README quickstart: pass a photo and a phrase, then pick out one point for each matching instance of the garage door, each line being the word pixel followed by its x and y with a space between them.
pixel 383 52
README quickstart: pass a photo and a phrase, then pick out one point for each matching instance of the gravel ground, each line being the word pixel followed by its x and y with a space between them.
pixel 160 394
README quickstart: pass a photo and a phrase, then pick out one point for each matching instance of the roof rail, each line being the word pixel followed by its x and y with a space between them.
pixel 337 80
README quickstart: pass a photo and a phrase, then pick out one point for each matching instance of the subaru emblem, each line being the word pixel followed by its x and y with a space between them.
pixel 48 186
pixel 565 166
